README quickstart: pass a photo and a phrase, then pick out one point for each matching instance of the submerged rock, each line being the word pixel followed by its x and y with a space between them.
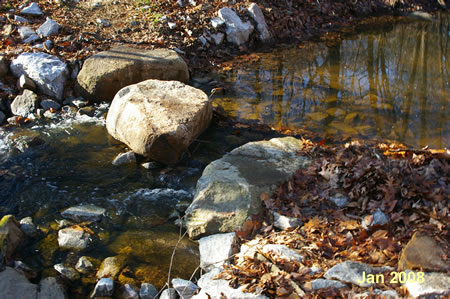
pixel 47 71
pixel 111 266
pixel 353 272
pixel 84 213
pixel 105 73
pixel 229 190
pixel 14 284
pixel 215 250
pixel 103 288
pixel 159 119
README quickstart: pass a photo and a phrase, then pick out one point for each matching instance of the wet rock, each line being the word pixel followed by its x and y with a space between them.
pixel 423 252
pixel 28 227
pixel 350 271
pixel 67 272
pixel 124 158
pixel 184 288
pixel 214 288
pixel 73 238
pixel 159 119
pixel 215 250
pixel 10 236
pixel 14 284
pixel 148 291
pixel 20 19
pixel 49 288
pixel 152 165
pixel 237 31
pixel 32 9
pixel 89 111
pixel 257 15
pixel 105 73
pixel 433 284
pixel 84 213
pixel 25 104
pixel 129 292
pixel 377 219
pixel 111 266
pixel 50 104
pixel 26 83
pixel 47 71
pixel 169 294
pixel 3 66
pixel 49 27
pixel 84 265
pixel 326 283
pixel 103 288
pixel 339 200
pixel 232 185
pixel 283 222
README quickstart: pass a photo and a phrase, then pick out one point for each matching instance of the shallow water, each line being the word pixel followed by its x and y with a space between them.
pixel 390 83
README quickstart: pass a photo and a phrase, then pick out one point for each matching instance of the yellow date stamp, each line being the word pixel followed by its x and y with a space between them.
pixel 394 277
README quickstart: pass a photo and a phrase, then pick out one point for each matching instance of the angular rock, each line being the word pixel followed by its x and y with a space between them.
pixel 350 271
pixel 50 104
pixel 217 22
pixel 111 267
pixel 214 288
pixel 218 38
pixel 376 219
pixel 148 291
pixel 283 252
pixel 73 238
pixel 26 83
pixel 84 265
pixel 32 9
pixel 184 288
pixel 20 19
pixel 258 16
pixel 47 71
pixel 25 32
pixel 339 200
pixel 68 272
pixel 49 288
pixel 237 31
pixel 103 288
pixel 423 252
pixel 124 158
pixel 283 222
pixel 159 119
pixel 433 284
pixel 14 284
pixel 84 213
pixel 229 190
pixel 28 227
pixel 105 73
pixel 49 27
pixel 326 283
pixel 10 236
pixel 130 292
pixel 170 293
pixel 215 250
pixel 25 104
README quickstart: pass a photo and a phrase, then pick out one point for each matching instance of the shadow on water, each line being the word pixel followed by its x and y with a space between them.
pixel 391 84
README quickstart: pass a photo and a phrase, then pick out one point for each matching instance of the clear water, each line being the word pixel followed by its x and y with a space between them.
pixel 391 82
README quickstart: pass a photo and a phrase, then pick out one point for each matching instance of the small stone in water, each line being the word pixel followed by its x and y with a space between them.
pixel 148 291
pixel 28 227
pixel 130 292
pixel 84 213
pixel 84 265
pixel 68 272
pixel 124 158
pixel 103 288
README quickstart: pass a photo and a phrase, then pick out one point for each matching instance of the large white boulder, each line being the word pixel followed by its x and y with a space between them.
pixel 229 190
pixel 237 31
pixel 47 71
pixel 105 73
pixel 159 119
pixel 257 15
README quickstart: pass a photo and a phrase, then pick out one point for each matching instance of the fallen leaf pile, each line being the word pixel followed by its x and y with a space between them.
pixel 411 187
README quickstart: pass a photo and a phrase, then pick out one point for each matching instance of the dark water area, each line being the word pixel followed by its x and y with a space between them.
pixel 390 82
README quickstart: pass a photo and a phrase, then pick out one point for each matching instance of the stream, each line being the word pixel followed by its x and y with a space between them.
pixel 388 82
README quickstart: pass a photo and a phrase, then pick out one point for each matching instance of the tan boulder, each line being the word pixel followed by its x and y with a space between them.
pixel 159 119
pixel 105 73
pixel 10 235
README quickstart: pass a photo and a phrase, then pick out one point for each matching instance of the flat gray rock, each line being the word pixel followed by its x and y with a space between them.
pixel 84 213
pixel 14 284
pixel 229 190
pixel 434 284
pixel 50 288
pixel 47 71
pixel 326 283
pixel 32 9
pixel 49 27
pixel 25 31
pixel 105 73
pixel 354 272
pixel 215 250
pixel 20 19
pixel 282 251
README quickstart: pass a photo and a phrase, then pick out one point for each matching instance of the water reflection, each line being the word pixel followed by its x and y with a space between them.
pixel 392 84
